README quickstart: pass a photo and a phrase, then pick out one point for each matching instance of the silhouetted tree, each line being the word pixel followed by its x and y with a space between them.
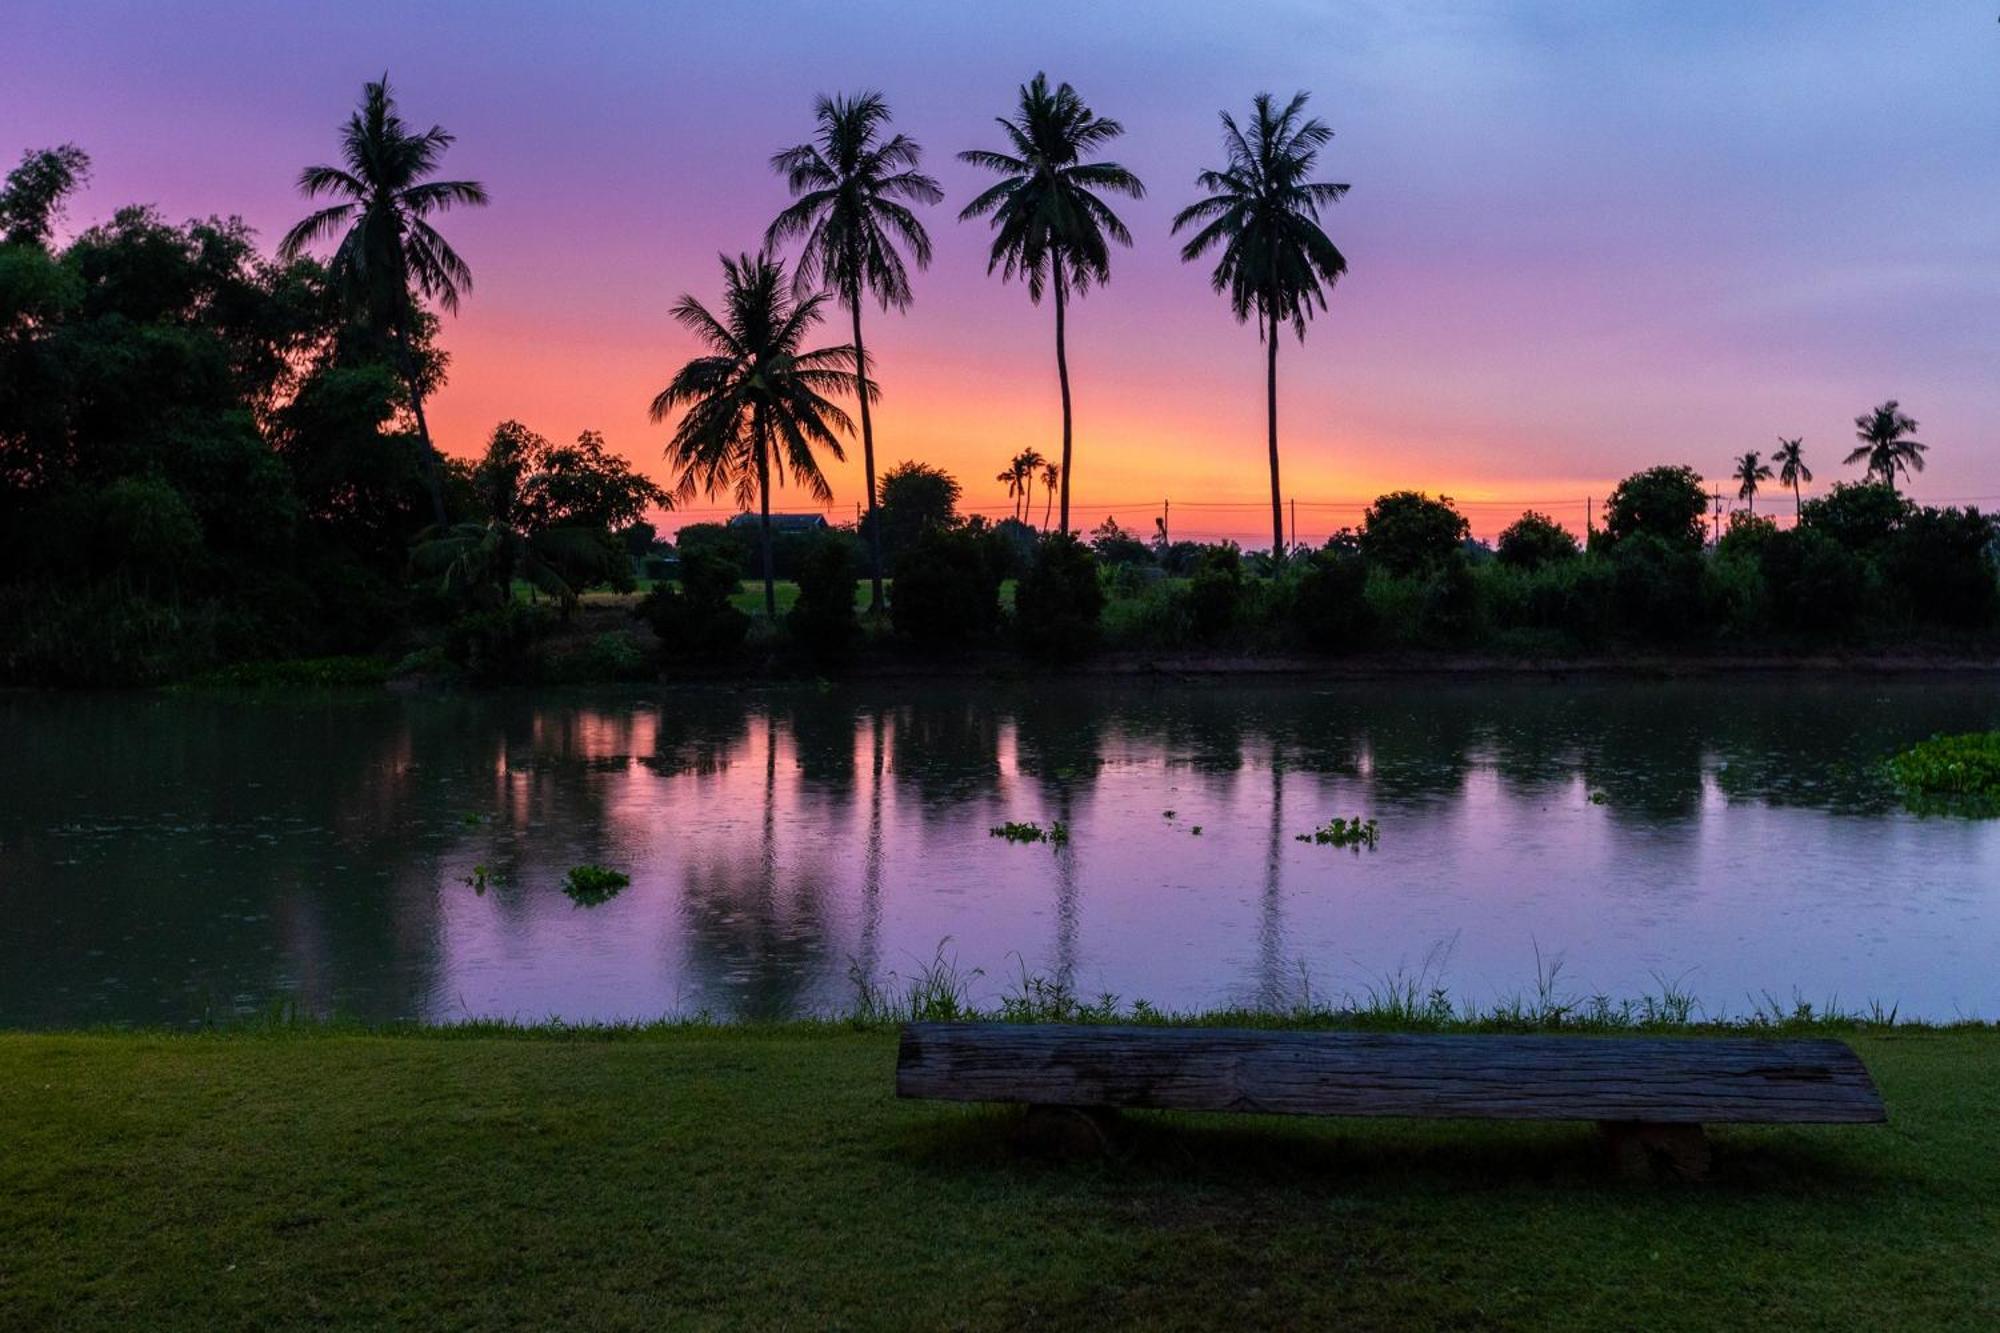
pixel 756 403
pixel 853 190
pixel 1050 226
pixel 32 199
pixel 1276 262
pixel 1884 446
pixel 389 255
pixel 1790 456
pixel 1750 469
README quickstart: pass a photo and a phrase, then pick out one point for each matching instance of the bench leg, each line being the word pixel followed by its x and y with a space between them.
pixel 1644 1148
pixel 1069 1131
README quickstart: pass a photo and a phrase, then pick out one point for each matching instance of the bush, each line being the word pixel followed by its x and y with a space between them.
pixel 1664 503
pixel 1215 593
pixel 947 587
pixel 1570 601
pixel 1745 536
pixel 694 617
pixel 1534 540
pixel 1058 601
pixel 822 621
pixel 1861 517
pixel 1408 533
pixel 1113 545
pixel 1657 587
pixel 497 644
pixel 1812 583
pixel 1448 607
pixel 1330 601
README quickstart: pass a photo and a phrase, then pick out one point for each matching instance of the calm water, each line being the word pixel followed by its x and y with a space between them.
pixel 165 858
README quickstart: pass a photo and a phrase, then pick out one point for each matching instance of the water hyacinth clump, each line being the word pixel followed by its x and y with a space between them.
pixel 1354 832
pixel 1015 831
pixel 589 885
pixel 1951 774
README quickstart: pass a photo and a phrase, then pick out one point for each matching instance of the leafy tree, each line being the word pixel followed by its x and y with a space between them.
pixel 1113 545
pixel 852 192
pixel 822 621
pixel 1861 516
pixel 1663 502
pixel 1058 600
pixel 1938 560
pixel 1408 533
pixel 31 201
pixel 1815 584
pixel 1276 261
pixel 756 405
pixel 947 590
pixel 389 256
pixel 915 497
pixel 1792 470
pixel 1750 469
pixel 1885 445
pixel 1051 227
pixel 1534 540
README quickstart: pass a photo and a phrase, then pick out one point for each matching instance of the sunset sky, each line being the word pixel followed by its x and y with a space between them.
pixel 1583 238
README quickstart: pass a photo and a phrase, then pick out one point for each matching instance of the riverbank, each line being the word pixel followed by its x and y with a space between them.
pixel 763 1177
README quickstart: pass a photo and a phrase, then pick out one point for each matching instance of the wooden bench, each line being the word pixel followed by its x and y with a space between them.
pixel 1650 1095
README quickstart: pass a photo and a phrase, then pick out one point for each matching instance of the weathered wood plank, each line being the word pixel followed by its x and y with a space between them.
pixel 1662 1080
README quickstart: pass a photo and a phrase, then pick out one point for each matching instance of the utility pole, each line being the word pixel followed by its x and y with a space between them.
pixel 1718 516
pixel 1295 522
pixel 1166 512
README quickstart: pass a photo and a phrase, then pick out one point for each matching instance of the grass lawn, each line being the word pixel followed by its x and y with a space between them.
pixel 769 1178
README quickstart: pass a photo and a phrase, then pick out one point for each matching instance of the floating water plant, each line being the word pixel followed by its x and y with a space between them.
pixel 1356 833
pixel 1014 831
pixel 589 885
pixel 482 877
pixel 1951 774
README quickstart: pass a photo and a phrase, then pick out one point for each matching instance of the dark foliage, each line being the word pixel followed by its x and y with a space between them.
pixel 1409 533
pixel 822 622
pixel 1534 540
pixel 693 617
pixel 1058 600
pixel 947 586
pixel 1664 503
pixel 1330 601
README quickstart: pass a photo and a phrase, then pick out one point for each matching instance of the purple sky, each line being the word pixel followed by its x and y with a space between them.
pixel 1583 238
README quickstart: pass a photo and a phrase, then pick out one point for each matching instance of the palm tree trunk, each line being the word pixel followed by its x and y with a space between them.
pixel 431 466
pixel 764 499
pixel 1798 504
pixel 868 462
pixel 1048 502
pixel 1062 373
pixel 1271 417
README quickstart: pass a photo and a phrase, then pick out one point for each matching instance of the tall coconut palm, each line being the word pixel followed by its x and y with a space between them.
pixel 1790 455
pixel 756 405
pixel 1029 463
pixel 1015 478
pixel 1051 475
pixel 1883 447
pixel 852 189
pixel 1276 261
pixel 1051 227
pixel 1750 470
pixel 389 257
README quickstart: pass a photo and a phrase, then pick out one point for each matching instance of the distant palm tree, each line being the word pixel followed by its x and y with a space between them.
pixel 756 404
pixel 1750 469
pixel 1051 474
pixel 1883 446
pixel 1791 456
pixel 851 190
pixel 389 255
pixel 1050 227
pixel 1029 462
pixel 1276 262
pixel 1015 478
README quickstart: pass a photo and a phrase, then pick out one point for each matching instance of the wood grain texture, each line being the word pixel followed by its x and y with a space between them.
pixel 1662 1080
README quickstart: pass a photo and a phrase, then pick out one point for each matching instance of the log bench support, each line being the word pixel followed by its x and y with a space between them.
pixel 1650 1097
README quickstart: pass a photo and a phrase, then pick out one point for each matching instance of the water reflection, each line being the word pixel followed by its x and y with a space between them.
pixel 162 858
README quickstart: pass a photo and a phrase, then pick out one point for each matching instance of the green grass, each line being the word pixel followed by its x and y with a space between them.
pixel 703 1176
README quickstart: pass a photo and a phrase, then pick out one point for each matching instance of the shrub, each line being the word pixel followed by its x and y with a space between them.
pixel 1571 600
pixel 1330 601
pixel 1534 540
pixel 496 644
pixel 1745 536
pixel 822 621
pixel 947 587
pixel 1664 503
pixel 1113 545
pixel 694 617
pixel 1058 601
pixel 1657 586
pixel 1215 592
pixel 1812 583
pixel 1448 607
pixel 1406 533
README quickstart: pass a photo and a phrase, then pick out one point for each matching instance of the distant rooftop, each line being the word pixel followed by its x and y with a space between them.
pixel 783 522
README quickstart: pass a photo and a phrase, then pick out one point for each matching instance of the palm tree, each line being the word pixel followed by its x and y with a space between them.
pixel 1276 261
pixel 1051 474
pixel 1791 457
pixel 1050 225
pixel 852 189
pixel 1014 477
pixel 756 405
pixel 1883 446
pixel 1750 469
pixel 389 256
pixel 1029 463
